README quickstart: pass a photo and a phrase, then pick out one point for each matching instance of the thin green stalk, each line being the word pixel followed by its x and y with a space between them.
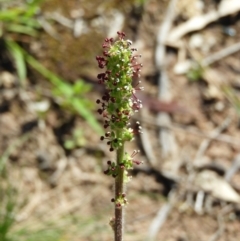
pixel 119 190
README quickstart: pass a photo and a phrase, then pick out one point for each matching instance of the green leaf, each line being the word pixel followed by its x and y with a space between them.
pixel 66 89
pixel 80 87
pixel 31 10
pixel 18 55
pixel 18 28
pixel 11 14
pixel 28 21
pixel 69 144
pixel 85 113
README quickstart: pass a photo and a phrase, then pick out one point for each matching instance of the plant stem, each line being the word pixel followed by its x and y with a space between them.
pixel 119 190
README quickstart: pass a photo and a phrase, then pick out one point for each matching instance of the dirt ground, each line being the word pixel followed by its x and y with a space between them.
pixel 188 188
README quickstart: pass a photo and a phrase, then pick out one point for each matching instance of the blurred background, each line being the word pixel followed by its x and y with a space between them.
pixel 52 186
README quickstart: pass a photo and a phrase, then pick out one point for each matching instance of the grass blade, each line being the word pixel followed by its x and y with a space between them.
pixel 66 89
pixel 18 55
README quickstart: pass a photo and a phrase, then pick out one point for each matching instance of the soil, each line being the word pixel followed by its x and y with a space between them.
pixel 66 190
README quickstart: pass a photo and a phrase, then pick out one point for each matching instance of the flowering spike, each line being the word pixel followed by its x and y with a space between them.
pixel 117 105
pixel 119 102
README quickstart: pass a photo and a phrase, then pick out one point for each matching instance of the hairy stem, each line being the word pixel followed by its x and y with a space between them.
pixel 119 190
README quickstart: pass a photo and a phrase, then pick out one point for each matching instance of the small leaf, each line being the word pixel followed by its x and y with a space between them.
pixel 69 144
pixel 80 87
pixel 19 28
pixel 10 14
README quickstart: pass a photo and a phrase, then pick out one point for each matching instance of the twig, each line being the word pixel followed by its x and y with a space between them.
pixel 48 28
pixel 163 33
pixel 226 7
pixel 66 22
pixel 212 58
pixel 161 217
pixel 220 230
pixel 198 207
pixel 201 150
pixel 146 144
pixel 233 169
pixel 167 139
pixel 221 137
pixel 214 134
pixel 220 54
pixel 33 204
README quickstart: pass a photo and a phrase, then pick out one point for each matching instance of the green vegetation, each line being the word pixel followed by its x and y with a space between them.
pixel 19 21
pixel 70 95
pixel 16 22
pixel 61 228
pixel 77 140
pixel 22 20
pixel 117 106
pixel 8 194
pixel 195 73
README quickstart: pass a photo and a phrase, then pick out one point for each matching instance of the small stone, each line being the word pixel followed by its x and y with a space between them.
pixel 7 80
pixel 196 41
pixel 219 106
